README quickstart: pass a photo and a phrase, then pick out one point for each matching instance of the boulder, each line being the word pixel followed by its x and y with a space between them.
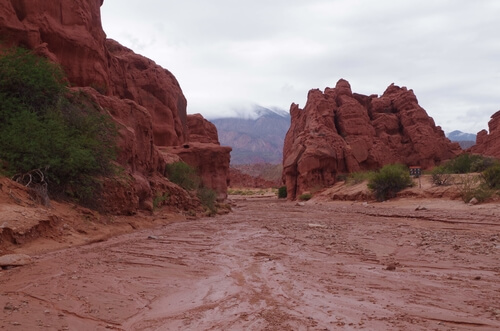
pixel 339 131
pixel 14 260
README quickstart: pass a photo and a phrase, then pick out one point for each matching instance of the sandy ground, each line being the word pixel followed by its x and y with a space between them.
pixel 275 265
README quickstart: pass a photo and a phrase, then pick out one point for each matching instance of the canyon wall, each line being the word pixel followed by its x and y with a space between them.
pixel 340 132
pixel 145 99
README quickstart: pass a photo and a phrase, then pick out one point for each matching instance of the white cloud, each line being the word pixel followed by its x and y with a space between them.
pixel 227 54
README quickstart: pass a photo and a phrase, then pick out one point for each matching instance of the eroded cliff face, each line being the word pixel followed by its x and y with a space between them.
pixel 489 143
pixel 141 96
pixel 341 132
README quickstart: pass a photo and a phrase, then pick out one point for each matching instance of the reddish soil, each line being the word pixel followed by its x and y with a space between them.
pixel 408 264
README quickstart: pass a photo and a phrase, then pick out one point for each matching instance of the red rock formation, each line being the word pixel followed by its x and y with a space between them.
pixel 489 144
pixel 201 130
pixel 340 132
pixel 143 98
pixel 204 153
pixel 211 161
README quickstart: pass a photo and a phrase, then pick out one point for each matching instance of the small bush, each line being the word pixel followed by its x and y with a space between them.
pixel 491 176
pixel 441 176
pixel 282 193
pixel 208 197
pixel 183 175
pixel 389 180
pixel 160 199
pixel 305 196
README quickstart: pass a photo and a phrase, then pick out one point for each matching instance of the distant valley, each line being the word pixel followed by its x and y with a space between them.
pixel 257 138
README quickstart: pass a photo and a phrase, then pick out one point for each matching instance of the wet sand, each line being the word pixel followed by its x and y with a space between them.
pixel 275 265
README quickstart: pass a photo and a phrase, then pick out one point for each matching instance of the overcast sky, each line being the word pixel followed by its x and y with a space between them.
pixel 229 54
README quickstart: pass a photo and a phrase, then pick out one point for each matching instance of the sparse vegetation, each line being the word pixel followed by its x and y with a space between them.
pixel 208 199
pixel 359 177
pixel 160 199
pixel 183 175
pixel 467 163
pixel 491 177
pixel 441 176
pixel 186 177
pixel 282 193
pixel 472 186
pixel 305 196
pixel 46 130
pixel 389 180
pixel 245 192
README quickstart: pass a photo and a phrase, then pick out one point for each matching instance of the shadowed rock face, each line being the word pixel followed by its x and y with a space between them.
pixel 142 97
pixel 489 143
pixel 341 132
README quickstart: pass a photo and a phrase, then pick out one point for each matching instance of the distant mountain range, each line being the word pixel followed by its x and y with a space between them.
pixel 256 138
pixel 465 140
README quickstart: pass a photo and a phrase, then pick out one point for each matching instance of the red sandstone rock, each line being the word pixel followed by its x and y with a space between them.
pixel 143 98
pixel 201 130
pixel 341 132
pixel 135 77
pixel 489 143
pixel 211 162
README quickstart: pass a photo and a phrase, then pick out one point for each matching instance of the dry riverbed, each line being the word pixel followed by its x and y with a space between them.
pixel 275 265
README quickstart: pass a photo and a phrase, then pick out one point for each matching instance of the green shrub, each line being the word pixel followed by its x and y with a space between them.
pixel 29 82
pixel 183 175
pixel 481 163
pixel 491 176
pixel 305 196
pixel 467 163
pixel 389 180
pixel 47 130
pixel 208 197
pixel 282 193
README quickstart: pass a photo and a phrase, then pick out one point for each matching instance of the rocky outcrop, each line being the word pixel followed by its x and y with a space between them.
pixel 142 97
pixel 489 143
pixel 204 153
pixel 341 132
pixel 202 131
pixel 211 161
